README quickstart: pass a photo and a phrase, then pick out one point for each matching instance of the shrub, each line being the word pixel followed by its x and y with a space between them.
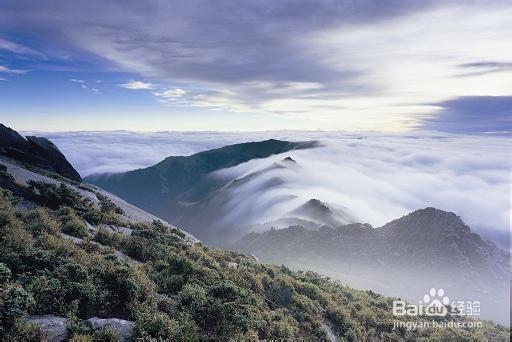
pixel 280 294
pixel 38 221
pixel 106 334
pixel 193 296
pixel 157 325
pixel 73 225
pixel 48 295
pixel 5 274
pixel 9 196
pixel 17 302
pixel 281 326
pixel 108 238
pixel 107 205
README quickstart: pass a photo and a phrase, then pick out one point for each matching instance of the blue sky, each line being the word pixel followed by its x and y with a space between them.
pixel 266 65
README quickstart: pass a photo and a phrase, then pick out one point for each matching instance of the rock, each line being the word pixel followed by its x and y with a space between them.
pixel 36 151
pixel 56 159
pixel 255 258
pixel 55 327
pixel 123 328
pixel 331 336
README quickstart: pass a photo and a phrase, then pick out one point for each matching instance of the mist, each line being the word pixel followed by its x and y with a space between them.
pixel 378 177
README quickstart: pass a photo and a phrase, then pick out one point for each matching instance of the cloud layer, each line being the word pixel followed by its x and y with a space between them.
pixel 378 178
pixel 359 65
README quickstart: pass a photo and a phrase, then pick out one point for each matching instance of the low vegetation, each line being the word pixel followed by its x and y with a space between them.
pixel 176 289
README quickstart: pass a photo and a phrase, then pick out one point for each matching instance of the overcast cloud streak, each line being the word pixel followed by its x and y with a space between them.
pixel 339 64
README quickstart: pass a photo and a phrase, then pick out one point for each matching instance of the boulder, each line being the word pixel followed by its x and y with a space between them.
pixel 123 328
pixel 55 327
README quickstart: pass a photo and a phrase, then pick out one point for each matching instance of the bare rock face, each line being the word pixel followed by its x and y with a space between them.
pixel 55 327
pixel 122 328
pixel 36 151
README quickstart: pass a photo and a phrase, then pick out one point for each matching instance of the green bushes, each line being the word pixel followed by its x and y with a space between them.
pixel 108 238
pixel 14 200
pixel 5 274
pixel 56 196
pixel 38 221
pixel 107 205
pixel 279 293
pixel 72 224
pixel 16 302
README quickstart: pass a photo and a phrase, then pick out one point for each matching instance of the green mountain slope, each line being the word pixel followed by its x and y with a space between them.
pixel 169 188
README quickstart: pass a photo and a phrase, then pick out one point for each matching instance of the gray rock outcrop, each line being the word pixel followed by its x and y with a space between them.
pixel 55 327
pixel 122 328
pixel 36 151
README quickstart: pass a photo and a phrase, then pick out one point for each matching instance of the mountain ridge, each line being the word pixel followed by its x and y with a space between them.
pixel 429 245
pixel 36 151
pixel 178 187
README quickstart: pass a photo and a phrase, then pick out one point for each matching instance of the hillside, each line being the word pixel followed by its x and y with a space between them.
pixel 79 263
pixel 180 189
pixel 431 246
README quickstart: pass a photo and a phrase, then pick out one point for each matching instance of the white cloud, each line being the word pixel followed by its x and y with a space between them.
pixel 137 85
pixel 379 178
pixel 12 71
pixel 19 49
pixel 83 85
pixel 384 177
pixel 171 93
pixel 3 79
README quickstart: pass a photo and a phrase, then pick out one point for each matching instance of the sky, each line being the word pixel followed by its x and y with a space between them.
pixel 231 65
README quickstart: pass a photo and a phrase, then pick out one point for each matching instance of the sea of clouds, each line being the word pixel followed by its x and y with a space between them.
pixel 379 177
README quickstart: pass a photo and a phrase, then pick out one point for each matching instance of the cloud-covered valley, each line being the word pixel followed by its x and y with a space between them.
pixel 378 177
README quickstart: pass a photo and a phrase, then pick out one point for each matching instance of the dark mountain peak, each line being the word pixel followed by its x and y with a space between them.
pixel 316 205
pixel 9 138
pixel 42 143
pixel 328 214
pixel 288 160
pixel 35 151
pixel 429 220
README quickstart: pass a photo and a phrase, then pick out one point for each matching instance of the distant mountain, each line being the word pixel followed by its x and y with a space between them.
pixel 327 214
pixel 37 152
pixel 427 248
pixel 185 190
